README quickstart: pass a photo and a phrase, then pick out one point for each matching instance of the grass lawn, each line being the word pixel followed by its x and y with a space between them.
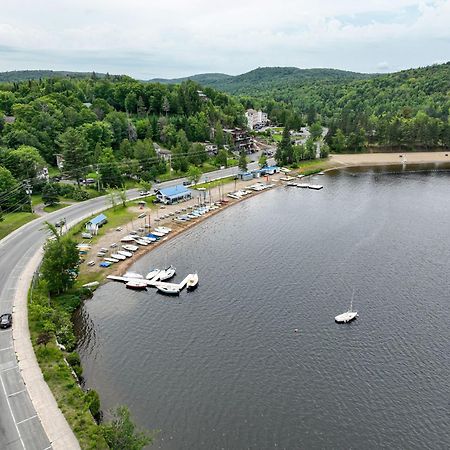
pixel 13 221
pixel 55 207
pixel 212 184
pixel 36 199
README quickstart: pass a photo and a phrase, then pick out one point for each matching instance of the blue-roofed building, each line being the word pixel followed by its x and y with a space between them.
pixel 269 170
pixel 173 194
pixel 94 224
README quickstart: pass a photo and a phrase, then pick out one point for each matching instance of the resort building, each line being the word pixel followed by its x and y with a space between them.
pixel 240 140
pixel 256 119
pixel 173 194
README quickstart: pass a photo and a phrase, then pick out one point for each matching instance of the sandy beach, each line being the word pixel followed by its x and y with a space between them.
pixel 367 159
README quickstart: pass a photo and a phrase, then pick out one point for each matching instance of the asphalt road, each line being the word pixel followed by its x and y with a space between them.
pixel 20 427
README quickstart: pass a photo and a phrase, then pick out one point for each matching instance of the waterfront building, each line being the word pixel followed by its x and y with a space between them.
pixel 173 194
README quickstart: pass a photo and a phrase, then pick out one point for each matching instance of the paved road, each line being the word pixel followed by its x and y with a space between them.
pixel 20 427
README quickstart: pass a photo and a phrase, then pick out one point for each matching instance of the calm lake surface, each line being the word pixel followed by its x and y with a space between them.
pixel 221 367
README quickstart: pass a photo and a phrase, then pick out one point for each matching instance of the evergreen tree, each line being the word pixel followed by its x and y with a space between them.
pixel 50 195
pixel 74 147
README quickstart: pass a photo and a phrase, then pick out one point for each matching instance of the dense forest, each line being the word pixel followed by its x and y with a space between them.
pixel 407 109
pixel 108 125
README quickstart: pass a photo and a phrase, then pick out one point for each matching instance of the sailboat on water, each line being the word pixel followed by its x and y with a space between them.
pixel 349 315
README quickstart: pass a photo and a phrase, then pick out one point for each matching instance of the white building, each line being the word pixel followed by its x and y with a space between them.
pixel 255 119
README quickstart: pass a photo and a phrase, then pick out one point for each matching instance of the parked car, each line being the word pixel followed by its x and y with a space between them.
pixel 5 320
pixel 187 183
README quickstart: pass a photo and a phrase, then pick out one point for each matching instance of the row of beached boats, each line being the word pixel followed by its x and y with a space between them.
pixel 130 244
pixel 198 212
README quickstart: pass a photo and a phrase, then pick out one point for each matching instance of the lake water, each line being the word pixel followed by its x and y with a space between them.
pixel 222 367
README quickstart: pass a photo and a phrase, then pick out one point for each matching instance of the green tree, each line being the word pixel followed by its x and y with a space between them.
pixel 197 154
pixel 60 262
pixel 194 174
pixel 285 152
pixel 50 195
pixel 222 158
pixel 121 434
pixel 219 137
pixel 338 143
pixel 25 162
pixel 315 130
pixel 75 149
pixel 262 161
pixel 242 163
pixel 109 169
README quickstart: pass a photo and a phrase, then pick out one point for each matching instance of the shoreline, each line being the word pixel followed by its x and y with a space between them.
pixel 334 162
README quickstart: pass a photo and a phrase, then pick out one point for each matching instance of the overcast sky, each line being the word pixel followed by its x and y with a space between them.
pixel 171 38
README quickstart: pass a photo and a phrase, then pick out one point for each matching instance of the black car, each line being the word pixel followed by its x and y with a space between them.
pixel 60 223
pixel 5 320
pixel 187 183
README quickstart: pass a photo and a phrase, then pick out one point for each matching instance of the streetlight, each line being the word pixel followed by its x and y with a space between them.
pixel 29 191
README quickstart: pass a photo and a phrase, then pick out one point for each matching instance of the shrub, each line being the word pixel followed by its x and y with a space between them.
pixel 92 399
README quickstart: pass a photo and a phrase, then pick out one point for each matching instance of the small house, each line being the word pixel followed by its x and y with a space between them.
pixel 94 224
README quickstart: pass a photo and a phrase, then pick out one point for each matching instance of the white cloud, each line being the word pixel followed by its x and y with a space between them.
pixel 175 37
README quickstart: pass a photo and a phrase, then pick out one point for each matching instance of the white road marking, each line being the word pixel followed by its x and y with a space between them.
pixel 6 348
pixel 26 420
pixel 12 415
pixel 16 393
pixel 10 368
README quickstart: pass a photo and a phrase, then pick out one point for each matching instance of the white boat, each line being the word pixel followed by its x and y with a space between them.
pixel 128 238
pixel 92 285
pixel 135 275
pixel 167 273
pixel 141 242
pixel 160 230
pixel 315 186
pixel 130 248
pixel 157 233
pixel 166 229
pixel 192 283
pixel 118 256
pixel 112 260
pixel 125 253
pixel 168 289
pixel 152 274
pixel 347 316
pixel 136 284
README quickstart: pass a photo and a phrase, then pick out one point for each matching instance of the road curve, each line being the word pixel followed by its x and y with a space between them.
pixel 29 416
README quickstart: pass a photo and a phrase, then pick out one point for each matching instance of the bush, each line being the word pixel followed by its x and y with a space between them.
pixel 92 399
pixel 73 359
pixel 80 195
